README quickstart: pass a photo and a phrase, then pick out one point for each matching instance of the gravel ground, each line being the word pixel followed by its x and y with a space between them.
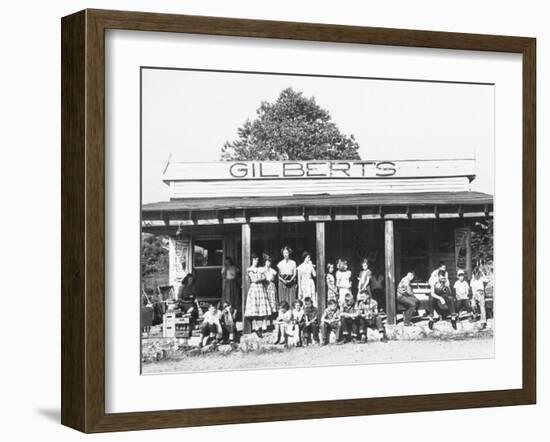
pixel 480 346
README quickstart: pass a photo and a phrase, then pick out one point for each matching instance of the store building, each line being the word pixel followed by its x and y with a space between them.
pixel 400 214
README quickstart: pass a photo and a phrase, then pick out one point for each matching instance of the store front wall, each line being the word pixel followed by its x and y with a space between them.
pixel 418 245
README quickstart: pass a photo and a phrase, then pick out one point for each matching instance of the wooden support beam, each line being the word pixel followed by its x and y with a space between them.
pixel 246 259
pixel 390 272
pixel 321 265
pixel 397 250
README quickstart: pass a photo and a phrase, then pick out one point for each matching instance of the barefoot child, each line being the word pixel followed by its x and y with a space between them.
pixel 297 323
pixel 211 329
pixel 282 323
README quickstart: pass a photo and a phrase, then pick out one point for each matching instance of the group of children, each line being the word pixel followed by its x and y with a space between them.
pixel 463 296
pixel 290 309
pixel 446 302
pixel 348 318
pixel 302 324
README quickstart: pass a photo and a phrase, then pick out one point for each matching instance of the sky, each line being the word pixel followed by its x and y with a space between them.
pixel 189 115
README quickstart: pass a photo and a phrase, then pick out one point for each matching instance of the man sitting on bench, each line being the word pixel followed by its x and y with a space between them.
pixel 442 300
pixel 406 298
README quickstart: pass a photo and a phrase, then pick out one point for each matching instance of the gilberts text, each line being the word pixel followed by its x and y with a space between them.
pixel 312 169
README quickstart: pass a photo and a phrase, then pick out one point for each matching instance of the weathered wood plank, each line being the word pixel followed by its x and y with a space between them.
pixel 321 265
pixel 390 271
pixel 246 259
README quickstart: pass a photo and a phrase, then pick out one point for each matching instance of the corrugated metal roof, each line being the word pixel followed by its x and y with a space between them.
pixel 372 199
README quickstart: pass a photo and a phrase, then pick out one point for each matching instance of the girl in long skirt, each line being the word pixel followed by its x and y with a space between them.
pixel 270 278
pixel 332 290
pixel 230 287
pixel 306 282
pixel 343 281
pixel 364 278
pixel 257 308
pixel 287 277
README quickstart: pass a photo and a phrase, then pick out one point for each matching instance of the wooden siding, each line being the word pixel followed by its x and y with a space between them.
pixel 327 186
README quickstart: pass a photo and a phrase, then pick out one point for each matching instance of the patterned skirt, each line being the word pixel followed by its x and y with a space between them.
pixel 287 293
pixel 257 302
pixel 272 296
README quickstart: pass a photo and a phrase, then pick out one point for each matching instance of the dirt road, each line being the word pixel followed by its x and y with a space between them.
pixel 372 352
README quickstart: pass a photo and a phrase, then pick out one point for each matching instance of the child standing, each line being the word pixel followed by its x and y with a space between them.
pixel 479 282
pixel 364 278
pixel 343 281
pixel 462 294
pixel 332 290
pixel 330 321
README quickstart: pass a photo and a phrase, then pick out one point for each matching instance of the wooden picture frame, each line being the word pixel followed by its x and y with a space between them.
pixel 83 220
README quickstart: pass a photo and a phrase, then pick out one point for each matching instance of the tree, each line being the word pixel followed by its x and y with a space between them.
pixel 482 246
pixel 154 260
pixel 293 128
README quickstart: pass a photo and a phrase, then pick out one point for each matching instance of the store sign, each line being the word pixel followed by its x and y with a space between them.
pixel 317 170
pixel 312 169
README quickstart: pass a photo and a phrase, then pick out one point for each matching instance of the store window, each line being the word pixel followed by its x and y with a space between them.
pixel 208 253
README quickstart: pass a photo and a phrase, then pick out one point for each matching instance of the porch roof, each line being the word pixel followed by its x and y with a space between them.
pixel 319 201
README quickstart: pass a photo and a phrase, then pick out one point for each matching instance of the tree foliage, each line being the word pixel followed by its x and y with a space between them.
pixel 293 128
pixel 482 246
pixel 154 260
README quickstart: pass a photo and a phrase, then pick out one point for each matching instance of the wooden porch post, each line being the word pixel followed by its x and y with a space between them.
pixel 246 252
pixel 390 272
pixel 398 271
pixel 321 265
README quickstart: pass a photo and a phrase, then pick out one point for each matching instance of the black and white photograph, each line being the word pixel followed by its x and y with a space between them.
pixel 305 220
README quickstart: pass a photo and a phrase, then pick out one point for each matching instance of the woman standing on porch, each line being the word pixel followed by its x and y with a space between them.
pixel 257 308
pixel 287 277
pixel 306 282
pixel 271 288
pixel 230 288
